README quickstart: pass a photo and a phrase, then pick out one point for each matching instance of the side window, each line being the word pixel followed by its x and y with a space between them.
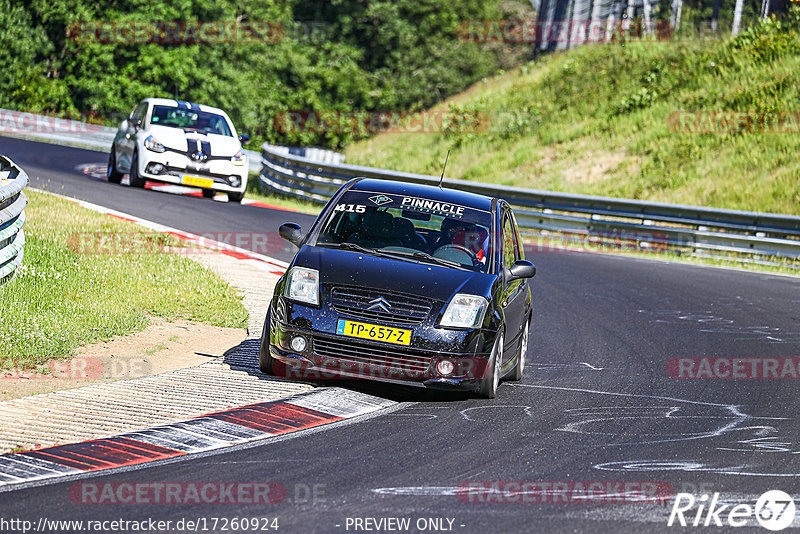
pixel 135 111
pixel 518 246
pixel 142 111
pixel 509 242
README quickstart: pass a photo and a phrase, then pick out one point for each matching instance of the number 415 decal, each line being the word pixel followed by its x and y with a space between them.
pixel 351 208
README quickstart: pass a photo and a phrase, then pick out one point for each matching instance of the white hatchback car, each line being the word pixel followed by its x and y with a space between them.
pixel 178 142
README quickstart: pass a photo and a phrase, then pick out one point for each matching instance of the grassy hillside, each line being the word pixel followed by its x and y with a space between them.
pixel 596 120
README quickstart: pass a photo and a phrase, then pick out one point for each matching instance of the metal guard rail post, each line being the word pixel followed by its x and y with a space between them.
pixel 12 217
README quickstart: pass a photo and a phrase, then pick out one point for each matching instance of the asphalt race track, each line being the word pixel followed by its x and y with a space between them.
pixel 56 168
pixel 596 403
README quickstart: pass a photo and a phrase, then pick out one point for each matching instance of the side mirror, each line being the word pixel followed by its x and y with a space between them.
pixel 244 139
pixel 135 122
pixel 521 269
pixel 291 232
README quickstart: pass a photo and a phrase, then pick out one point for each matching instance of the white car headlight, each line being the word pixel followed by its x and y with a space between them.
pixel 465 311
pixel 152 144
pixel 303 285
pixel 240 158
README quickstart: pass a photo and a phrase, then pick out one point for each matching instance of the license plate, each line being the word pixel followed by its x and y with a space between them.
pixel 196 181
pixel 388 334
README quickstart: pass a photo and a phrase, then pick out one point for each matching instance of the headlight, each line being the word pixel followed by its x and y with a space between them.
pixel 151 144
pixel 465 311
pixel 239 158
pixel 303 285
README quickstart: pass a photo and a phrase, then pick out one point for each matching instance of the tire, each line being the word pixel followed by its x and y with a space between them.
pixel 266 363
pixel 265 359
pixel 519 367
pixel 490 383
pixel 209 193
pixel 236 197
pixel 135 179
pixel 114 176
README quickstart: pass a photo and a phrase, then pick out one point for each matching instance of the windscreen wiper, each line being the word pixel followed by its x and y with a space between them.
pixel 350 246
pixel 419 255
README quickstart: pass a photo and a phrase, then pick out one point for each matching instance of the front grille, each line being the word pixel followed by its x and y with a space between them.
pixel 403 309
pixel 405 362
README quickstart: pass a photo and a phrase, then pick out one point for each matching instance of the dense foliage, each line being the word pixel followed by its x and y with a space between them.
pixel 333 55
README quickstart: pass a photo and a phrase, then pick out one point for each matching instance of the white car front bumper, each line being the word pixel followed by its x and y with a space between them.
pixel 174 168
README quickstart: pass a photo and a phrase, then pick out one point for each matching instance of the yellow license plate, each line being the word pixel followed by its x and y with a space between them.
pixel 196 181
pixel 388 334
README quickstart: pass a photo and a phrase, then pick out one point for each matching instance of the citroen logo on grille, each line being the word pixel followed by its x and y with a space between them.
pixel 379 303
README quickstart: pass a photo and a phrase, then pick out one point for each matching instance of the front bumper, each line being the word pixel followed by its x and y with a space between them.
pixel 303 367
pixel 169 167
pixel 328 356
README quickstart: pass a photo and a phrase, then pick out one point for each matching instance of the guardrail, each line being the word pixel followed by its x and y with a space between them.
pixel 12 217
pixel 566 218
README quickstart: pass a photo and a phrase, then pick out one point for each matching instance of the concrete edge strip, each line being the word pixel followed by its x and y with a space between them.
pixel 271 265
pixel 227 428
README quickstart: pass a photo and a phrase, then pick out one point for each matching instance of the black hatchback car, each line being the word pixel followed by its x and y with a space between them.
pixel 403 283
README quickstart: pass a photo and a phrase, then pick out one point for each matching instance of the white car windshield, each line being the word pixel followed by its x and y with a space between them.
pixel 190 120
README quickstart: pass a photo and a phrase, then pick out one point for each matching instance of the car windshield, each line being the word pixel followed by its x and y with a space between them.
pixel 189 119
pixel 420 229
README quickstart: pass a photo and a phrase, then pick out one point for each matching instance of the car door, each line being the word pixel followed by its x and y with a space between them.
pixel 514 301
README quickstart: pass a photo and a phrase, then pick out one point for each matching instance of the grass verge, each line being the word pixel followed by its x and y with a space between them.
pixel 66 295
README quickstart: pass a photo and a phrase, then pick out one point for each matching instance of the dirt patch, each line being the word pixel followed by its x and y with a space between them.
pixel 588 169
pixel 576 165
pixel 161 347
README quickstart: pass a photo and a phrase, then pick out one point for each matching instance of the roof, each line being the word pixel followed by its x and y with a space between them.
pixel 451 196
pixel 184 104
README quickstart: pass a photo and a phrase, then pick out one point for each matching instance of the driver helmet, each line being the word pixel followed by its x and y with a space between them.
pixel 203 121
pixel 470 236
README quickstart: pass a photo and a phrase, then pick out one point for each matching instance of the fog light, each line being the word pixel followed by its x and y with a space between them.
pixel 234 180
pixel 298 344
pixel 155 168
pixel 445 367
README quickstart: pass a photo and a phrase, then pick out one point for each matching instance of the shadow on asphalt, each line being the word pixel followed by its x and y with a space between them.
pixel 244 357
